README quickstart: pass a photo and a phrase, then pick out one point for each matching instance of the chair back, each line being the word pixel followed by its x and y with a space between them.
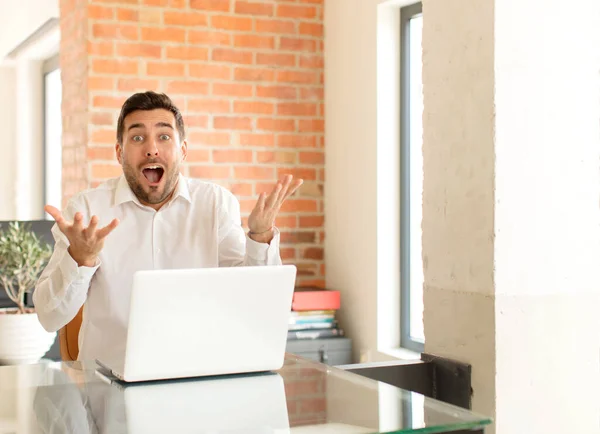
pixel 69 338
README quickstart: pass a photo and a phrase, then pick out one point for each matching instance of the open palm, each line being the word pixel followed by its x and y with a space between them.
pixel 262 217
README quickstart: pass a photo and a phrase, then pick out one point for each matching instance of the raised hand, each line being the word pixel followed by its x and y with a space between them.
pixel 85 243
pixel 262 218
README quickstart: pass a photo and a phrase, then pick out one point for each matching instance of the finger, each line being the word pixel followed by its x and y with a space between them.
pixel 89 231
pixel 57 216
pixel 272 199
pixel 260 204
pixel 78 222
pixel 55 213
pixel 103 233
pixel 292 189
pixel 287 179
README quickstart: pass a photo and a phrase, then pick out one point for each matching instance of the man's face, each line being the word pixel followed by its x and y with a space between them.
pixel 151 154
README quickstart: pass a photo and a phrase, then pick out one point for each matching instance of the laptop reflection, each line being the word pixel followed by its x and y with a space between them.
pixel 249 403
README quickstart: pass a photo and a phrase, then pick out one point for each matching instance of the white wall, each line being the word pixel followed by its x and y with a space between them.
pixel 362 192
pixel 30 138
pixel 8 142
pixel 21 19
pixel 21 115
pixel 22 143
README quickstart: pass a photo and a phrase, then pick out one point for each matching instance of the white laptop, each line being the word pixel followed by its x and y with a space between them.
pixel 206 321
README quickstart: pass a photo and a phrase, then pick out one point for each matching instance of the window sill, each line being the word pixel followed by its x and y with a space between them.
pixel 401 353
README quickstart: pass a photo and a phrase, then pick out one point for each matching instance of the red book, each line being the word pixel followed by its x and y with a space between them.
pixel 316 300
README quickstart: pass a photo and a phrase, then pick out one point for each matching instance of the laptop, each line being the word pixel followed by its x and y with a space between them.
pixel 205 322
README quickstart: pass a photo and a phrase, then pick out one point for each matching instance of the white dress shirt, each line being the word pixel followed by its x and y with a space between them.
pixel 199 227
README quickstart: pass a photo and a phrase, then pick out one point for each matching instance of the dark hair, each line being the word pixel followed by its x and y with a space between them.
pixel 149 101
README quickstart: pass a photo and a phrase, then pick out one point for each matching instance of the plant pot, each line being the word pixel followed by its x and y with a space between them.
pixel 23 340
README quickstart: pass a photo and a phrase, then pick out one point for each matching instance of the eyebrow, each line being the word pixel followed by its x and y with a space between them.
pixel 158 124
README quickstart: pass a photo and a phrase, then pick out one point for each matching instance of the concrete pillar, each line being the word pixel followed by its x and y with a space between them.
pixel 511 217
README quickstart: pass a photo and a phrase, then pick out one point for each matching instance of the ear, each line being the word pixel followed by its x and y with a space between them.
pixel 183 150
pixel 119 152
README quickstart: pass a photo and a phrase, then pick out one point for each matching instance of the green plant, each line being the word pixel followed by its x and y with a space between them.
pixel 23 256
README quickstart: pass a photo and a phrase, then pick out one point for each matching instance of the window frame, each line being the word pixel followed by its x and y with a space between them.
pixel 49 65
pixel 406 341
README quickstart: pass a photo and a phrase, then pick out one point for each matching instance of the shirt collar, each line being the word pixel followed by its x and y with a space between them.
pixel 124 193
pixel 183 189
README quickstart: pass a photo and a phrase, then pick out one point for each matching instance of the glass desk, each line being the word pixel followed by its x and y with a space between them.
pixel 303 397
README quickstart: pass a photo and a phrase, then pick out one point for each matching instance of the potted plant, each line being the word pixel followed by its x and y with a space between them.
pixel 23 256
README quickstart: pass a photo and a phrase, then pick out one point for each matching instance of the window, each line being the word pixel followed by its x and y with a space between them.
pixel 52 133
pixel 411 178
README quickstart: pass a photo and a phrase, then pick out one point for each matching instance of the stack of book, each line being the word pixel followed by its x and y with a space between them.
pixel 313 314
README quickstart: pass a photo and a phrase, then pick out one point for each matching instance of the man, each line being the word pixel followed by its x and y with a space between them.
pixel 151 217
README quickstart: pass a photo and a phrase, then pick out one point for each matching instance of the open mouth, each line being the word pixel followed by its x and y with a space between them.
pixel 153 174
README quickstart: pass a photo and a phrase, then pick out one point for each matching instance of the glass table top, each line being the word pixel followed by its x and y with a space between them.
pixel 303 397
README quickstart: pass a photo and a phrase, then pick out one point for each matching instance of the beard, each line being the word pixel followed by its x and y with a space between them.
pixel 155 194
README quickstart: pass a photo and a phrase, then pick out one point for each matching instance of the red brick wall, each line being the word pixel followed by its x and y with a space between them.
pixel 248 76
pixel 73 61
pixel 306 396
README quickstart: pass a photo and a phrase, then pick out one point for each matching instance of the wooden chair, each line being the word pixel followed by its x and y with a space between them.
pixel 69 338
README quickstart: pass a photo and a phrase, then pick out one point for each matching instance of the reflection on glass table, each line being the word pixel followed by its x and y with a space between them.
pixel 303 397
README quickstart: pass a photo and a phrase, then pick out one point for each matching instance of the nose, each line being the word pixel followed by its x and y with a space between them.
pixel 151 149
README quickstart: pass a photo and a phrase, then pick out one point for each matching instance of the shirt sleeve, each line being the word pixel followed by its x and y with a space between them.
pixel 62 287
pixel 236 248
